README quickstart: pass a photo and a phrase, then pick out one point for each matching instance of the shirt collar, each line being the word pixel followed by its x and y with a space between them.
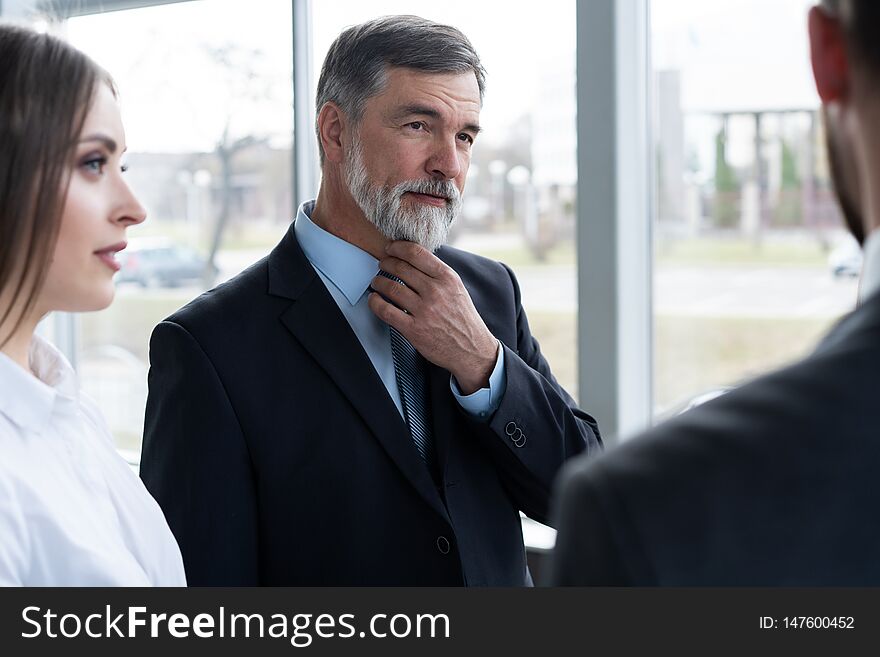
pixel 28 399
pixel 348 267
pixel 870 282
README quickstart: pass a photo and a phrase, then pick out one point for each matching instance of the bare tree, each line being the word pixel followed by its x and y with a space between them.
pixel 246 87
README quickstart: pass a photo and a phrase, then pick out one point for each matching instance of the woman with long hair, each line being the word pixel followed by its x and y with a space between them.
pixel 71 510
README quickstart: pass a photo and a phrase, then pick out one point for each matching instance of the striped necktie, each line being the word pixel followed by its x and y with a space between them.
pixel 411 372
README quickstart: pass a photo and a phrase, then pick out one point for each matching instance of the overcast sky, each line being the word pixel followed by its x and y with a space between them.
pixel 732 54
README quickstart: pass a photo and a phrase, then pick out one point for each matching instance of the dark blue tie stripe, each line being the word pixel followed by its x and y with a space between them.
pixel 409 371
pixel 412 384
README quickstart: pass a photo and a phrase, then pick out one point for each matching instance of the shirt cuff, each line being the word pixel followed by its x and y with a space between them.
pixel 485 401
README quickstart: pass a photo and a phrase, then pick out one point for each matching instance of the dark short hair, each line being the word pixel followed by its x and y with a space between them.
pixel 861 20
pixel 355 67
pixel 46 88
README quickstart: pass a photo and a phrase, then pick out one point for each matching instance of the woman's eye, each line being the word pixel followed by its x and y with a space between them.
pixel 95 165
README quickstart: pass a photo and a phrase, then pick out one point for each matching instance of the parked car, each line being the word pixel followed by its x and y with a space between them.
pixel 160 262
pixel 846 259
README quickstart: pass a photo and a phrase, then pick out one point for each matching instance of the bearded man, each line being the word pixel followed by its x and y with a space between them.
pixel 364 406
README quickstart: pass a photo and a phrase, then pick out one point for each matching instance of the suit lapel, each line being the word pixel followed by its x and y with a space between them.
pixel 444 411
pixel 316 322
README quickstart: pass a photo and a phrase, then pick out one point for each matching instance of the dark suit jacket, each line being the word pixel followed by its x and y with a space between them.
pixel 279 458
pixel 774 483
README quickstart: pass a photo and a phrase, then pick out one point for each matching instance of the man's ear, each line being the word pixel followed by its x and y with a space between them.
pixel 828 55
pixel 331 124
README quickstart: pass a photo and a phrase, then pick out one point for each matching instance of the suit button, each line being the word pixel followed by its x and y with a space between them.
pixel 515 434
pixel 443 544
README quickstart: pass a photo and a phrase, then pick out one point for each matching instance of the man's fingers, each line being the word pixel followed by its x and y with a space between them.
pixel 418 256
pixel 414 278
pixel 390 314
pixel 398 294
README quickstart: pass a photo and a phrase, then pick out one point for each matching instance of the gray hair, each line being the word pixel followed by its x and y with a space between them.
pixel 356 65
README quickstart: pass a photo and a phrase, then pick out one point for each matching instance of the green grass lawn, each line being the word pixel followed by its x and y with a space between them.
pixel 692 354
pixel 697 251
pixel 561 254
pixel 716 251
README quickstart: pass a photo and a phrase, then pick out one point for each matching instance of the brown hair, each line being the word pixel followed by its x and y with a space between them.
pixel 46 88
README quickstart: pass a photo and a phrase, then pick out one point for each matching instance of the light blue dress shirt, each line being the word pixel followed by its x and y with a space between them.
pixel 347 272
pixel 870 282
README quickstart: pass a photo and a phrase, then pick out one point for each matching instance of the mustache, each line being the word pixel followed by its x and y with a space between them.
pixel 443 188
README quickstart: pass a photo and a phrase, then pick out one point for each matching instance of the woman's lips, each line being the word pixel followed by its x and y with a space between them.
pixel 108 255
pixel 109 260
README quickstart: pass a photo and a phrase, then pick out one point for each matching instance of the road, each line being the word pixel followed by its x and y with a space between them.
pixel 710 291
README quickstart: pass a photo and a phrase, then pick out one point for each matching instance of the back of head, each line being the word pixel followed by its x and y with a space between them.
pixel 355 66
pixel 46 87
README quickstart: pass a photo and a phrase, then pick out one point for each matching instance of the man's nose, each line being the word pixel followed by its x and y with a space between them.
pixel 445 160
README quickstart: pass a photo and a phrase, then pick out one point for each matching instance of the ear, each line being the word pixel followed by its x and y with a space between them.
pixel 331 125
pixel 828 55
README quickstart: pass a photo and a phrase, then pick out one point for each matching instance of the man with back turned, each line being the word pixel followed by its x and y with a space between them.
pixel 774 483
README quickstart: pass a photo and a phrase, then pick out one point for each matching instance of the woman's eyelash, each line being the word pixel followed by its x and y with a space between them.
pixel 95 163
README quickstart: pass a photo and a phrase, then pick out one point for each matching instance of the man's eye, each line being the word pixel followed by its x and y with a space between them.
pixel 95 165
pixel 465 137
pixel 416 125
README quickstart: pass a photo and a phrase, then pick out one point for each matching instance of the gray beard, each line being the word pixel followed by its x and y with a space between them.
pixel 382 205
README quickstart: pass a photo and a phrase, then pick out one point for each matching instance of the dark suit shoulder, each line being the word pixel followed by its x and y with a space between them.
pixel 728 492
pixel 471 263
pixel 595 545
pixel 478 271
pixel 228 304
pixel 862 323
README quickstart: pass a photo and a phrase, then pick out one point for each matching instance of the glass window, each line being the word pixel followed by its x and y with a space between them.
pixel 206 96
pixel 752 263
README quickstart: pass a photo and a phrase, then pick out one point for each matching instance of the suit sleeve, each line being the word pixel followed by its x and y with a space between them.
pixel 537 426
pixel 195 462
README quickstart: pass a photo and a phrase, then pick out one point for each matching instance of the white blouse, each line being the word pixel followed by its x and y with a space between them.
pixel 72 513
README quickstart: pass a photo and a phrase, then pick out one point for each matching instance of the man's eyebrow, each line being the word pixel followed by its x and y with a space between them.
pixel 423 110
pixel 109 144
pixel 430 112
